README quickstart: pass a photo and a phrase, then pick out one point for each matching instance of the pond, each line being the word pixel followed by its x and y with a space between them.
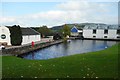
pixel 69 48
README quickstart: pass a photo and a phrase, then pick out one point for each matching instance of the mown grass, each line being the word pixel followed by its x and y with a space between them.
pixel 100 64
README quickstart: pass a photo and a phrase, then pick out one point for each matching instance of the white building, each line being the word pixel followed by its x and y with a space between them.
pixel 28 35
pixel 4 35
pixel 101 32
pixel 76 32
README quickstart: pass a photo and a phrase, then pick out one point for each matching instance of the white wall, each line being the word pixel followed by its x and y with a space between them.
pixel 88 33
pixel 5 30
pixel 29 38
pixel 74 33
pixel 112 34
pixel 99 33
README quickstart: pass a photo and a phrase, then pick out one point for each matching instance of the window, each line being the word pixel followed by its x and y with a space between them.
pixel 94 36
pixel 3 36
pixel 94 31
pixel 118 37
pixel 105 31
pixel 118 31
pixel 105 36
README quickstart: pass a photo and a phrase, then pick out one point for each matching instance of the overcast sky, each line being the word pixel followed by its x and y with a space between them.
pixel 53 13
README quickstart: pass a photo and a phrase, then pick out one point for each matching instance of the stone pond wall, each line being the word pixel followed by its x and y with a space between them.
pixel 17 50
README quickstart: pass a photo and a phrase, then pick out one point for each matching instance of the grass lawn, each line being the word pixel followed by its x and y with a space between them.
pixel 100 64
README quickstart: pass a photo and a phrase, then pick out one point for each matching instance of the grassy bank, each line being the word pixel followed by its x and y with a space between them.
pixel 100 64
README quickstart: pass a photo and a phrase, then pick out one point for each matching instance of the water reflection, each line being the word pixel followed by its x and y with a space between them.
pixel 70 48
pixel 32 55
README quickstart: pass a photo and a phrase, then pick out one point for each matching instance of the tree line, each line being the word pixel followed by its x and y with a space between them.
pixel 45 31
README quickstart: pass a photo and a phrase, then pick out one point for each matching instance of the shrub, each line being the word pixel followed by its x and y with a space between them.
pixel 16 35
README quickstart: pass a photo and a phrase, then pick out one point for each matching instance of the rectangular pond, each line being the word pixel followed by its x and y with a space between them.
pixel 69 48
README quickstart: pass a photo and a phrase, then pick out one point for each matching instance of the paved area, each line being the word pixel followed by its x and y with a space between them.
pixel 42 41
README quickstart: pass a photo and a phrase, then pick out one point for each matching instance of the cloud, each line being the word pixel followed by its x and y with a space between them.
pixel 67 12
pixel 77 12
pixel 83 6
pixel 8 19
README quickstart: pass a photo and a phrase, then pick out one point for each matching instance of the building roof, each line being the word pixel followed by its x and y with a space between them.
pixel 29 31
pixel 101 26
pixel 74 29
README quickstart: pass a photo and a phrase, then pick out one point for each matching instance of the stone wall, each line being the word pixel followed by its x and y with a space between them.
pixel 17 50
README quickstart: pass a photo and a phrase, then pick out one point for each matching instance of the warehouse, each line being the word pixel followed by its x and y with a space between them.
pixel 28 35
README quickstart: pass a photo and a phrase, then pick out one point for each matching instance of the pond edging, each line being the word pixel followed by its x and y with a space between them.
pixel 18 50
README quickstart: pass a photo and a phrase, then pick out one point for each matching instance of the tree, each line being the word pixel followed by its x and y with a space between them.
pixel 16 35
pixel 44 30
pixel 66 30
pixel 57 36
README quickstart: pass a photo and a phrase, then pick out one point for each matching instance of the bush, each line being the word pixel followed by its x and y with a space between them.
pixel 57 37
pixel 16 35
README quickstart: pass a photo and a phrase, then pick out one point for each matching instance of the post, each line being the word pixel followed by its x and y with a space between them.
pixel 33 44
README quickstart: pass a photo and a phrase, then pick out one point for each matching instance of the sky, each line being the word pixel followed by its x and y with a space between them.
pixel 54 13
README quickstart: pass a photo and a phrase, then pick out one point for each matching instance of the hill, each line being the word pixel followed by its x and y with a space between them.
pixel 81 25
pixel 56 28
